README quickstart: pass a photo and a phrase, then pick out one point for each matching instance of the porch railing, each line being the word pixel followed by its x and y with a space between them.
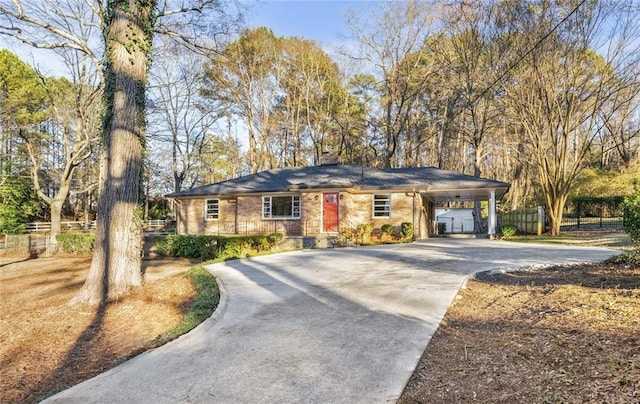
pixel 286 227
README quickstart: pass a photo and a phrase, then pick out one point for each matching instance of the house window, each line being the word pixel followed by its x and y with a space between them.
pixel 381 205
pixel 281 207
pixel 212 209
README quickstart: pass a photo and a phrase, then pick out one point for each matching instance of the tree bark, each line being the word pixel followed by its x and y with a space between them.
pixel 116 264
pixel 56 216
pixel 56 201
pixel 478 227
pixel 555 211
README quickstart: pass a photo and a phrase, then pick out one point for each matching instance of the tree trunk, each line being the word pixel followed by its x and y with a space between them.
pixel 56 203
pixel 478 227
pixel 116 264
pixel 389 131
pixel 555 201
pixel 252 153
pixel 555 219
pixel 56 214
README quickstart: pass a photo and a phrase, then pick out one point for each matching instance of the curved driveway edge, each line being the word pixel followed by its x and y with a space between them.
pixel 341 325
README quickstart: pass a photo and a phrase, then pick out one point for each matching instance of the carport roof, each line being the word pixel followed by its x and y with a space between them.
pixel 431 181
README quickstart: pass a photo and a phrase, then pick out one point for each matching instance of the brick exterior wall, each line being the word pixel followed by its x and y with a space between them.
pixel 354 209
pixel 190 215
pixel 311 212
pixel 249 208
pixel 226 221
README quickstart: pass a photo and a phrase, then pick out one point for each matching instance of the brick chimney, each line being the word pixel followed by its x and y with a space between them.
pixel 327 159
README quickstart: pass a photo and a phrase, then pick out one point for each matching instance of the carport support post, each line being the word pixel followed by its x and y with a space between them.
pixel 492 214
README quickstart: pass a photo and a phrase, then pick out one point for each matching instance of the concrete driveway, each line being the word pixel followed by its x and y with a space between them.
pixel 321 326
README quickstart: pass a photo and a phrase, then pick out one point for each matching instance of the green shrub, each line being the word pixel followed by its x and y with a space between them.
pixel 406 230
pixel 359 234
pixel 10 224
pixel 234 247
pixel 347 233
pixel 387 229
pixel 363 232
pixel 442 228
pixel 631 212
pixel 244 246
pixel 275 238
pixel 507 231
pixel 187 246
pixel 18 204
pixel 202 247
pixel 260 243
pixel 76 243
pixel 215 247
pixel 161 245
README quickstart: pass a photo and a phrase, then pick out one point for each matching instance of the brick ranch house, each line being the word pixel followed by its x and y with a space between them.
pixel 318 201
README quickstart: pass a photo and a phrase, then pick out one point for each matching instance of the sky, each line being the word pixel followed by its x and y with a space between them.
pixel 319 20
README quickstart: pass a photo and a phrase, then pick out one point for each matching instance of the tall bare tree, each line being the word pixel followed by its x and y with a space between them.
pixel 471 61
pixel 127 32
pixel 619 136
pixel 575 69
pixel 388 40
pixel 312 97
pixel 179 117
pixel 245 75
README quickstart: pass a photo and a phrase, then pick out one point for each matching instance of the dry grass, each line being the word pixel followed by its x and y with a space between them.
pixel 558 335
pixel 564 334
pixel 47 345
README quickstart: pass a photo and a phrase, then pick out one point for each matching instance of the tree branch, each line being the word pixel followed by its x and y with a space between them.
pixel 59 38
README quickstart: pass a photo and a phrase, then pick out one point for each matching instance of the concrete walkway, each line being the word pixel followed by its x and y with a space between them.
pixel 321 326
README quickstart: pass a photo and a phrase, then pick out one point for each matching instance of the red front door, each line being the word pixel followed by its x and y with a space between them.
pixel 330 212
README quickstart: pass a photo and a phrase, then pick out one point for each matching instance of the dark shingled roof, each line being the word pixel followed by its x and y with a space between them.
pixel 343 177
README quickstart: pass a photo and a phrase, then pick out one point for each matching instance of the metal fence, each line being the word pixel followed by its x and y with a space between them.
pixel 534 220
pixel 570 222
pixel 593 213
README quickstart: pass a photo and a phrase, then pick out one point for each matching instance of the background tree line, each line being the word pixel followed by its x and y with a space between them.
pixel 542 94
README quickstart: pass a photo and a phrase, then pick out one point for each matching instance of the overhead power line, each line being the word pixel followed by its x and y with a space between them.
pixel 527 53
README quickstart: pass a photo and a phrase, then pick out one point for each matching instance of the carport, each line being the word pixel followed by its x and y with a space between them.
pixel 486 190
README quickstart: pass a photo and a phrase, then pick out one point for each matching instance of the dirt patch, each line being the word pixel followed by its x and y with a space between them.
pixel 556 335
pixel 47 345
